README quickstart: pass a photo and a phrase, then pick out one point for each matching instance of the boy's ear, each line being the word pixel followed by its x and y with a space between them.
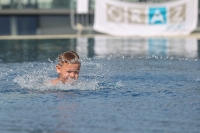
pixel 58 69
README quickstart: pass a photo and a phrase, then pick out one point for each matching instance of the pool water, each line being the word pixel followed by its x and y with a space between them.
pixel 126 85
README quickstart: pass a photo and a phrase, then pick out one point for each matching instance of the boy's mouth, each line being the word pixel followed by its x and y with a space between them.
pixel 70 80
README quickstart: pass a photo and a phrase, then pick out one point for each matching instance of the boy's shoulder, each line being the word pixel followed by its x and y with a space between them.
pixel 55 81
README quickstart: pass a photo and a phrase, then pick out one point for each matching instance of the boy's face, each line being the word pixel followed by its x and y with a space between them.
pixel 68 72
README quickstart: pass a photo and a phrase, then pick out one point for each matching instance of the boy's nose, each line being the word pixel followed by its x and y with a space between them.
pixel 72 74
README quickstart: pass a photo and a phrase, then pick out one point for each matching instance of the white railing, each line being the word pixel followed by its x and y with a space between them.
pixel 82 21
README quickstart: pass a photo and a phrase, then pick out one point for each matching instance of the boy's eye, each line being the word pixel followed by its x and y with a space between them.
pixel 76 72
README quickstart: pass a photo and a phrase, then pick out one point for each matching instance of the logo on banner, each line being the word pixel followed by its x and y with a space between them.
pixel 157 16
pixel 136 16
pixel 177 14
pixel 115 14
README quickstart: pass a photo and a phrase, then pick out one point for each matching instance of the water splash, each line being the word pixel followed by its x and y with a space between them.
pixel 38 76
pixel 43 83
pixel 96 73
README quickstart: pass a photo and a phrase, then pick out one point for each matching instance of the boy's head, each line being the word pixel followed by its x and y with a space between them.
pixel 68 66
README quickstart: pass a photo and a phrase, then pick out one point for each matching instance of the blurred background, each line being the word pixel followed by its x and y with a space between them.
pixel 49 17
pixel 60 17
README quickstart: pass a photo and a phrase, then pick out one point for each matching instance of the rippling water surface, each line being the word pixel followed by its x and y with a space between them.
pixel 121 91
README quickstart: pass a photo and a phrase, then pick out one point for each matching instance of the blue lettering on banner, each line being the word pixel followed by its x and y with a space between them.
pixel 176 27
pixel 158 15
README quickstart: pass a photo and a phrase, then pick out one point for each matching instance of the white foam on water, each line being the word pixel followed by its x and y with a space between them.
pixel 2 74
pixel 96 73
pixel 43 83
pixel 42 73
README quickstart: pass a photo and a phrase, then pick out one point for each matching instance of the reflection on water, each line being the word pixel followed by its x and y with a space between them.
pixel 33 50
pixel 147 47
pixel 41 50
pixel 199 48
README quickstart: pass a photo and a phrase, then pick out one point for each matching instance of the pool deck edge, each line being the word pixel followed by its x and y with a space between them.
pixel 21 37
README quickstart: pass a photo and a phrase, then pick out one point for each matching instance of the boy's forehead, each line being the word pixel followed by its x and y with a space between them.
pixel 71 66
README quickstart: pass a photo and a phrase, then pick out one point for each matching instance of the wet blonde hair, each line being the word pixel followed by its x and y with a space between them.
pixel 69 57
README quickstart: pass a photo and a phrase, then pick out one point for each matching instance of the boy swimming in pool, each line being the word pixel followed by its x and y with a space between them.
pixel 68 68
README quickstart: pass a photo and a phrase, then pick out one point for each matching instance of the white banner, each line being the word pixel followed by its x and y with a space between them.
pixel 145 19
pixel 82 6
